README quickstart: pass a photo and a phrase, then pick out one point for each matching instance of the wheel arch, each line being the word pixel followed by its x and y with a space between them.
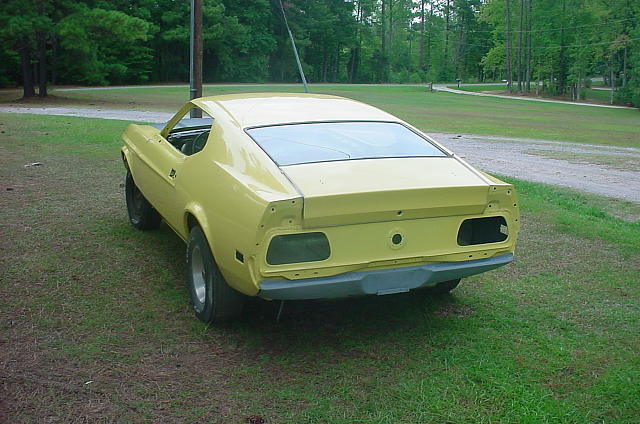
pixel 124 154
pixel 194 215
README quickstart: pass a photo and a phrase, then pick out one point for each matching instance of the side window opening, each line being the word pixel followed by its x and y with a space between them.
pixel 190 135
pixel 194 145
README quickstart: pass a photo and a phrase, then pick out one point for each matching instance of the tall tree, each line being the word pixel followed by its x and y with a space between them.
pixel 422 37
pixel 508 36
pixel 529 45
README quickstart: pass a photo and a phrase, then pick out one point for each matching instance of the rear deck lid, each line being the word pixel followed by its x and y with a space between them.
pixel 357 191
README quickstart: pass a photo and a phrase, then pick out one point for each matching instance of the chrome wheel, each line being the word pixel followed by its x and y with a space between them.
pixel 198 274
pixel 212 299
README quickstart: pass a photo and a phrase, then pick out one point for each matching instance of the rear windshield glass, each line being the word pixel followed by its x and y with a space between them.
pixel 332 141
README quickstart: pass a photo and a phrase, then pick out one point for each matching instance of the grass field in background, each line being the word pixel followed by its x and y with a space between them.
pixel 429 111
pixel 603 96
pixel 95 323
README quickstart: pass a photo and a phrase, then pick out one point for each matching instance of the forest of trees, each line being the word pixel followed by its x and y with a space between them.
pixel 549 45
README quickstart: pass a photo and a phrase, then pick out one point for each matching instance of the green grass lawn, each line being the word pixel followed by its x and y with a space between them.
pixel 95 324
pixel 429 111
pixel 603 96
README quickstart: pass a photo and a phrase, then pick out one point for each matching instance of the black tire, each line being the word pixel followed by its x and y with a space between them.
pixel 213 300
pixel 443 287
pixel 142 215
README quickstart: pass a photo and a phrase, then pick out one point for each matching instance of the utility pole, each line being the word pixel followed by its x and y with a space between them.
pixel 195 68
pixel 529 48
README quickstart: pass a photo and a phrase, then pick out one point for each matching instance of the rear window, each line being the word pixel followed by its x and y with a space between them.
pixel 332 141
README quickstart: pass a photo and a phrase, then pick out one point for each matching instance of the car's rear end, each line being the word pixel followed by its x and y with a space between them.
pixel 382 218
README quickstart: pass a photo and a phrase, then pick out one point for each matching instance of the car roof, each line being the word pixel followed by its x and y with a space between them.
pixel 257 109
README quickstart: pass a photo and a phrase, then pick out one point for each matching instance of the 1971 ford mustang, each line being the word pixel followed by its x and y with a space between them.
pixel 297 196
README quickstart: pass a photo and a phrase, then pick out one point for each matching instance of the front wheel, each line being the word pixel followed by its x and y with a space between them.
pixel 142 215
pixel 213 300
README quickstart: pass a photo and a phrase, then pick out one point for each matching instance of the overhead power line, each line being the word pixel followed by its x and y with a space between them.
pixel 295 49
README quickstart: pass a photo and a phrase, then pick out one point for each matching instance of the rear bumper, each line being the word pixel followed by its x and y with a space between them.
pixel 386 281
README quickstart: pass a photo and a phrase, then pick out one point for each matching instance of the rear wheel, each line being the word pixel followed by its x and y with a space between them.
pixel 444 287
pixel 213 300
pixel 142 215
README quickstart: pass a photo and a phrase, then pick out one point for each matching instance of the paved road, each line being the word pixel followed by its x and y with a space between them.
pixel 499 155
pixel 444 87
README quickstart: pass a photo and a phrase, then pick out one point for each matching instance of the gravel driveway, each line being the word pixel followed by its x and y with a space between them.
pixel 580 166
pixel 605 170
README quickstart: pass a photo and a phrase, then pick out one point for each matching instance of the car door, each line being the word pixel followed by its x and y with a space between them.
pixel 164 162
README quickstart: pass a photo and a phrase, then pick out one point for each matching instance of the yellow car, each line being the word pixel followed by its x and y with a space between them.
pixel 297 196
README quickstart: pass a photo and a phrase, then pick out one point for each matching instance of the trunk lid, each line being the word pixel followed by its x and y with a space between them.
pixel 376 190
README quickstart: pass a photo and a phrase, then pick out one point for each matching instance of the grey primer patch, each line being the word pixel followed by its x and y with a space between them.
pixel 384 281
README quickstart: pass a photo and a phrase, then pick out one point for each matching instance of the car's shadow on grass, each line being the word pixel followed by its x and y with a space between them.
pixel 315 327
pixel 326 332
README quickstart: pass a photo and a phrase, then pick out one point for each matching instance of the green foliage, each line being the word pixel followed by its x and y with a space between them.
pixel 118 41
pixel 634 72
pixel 104 46
pixel 571 40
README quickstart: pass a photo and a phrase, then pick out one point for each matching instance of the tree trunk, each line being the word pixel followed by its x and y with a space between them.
pixel 459 52
pixel 446 33
pixel 41 38
pixel 613 81
pixel 508 45
pixel 539 82
pixel 429 36
pixel 323 72
pixel 529 44
pixel 54 62
pixel 355 52
pixel 624 67
pixel 353 64
pixel 562 68
pixel 42 64
pixel 391 28
pixel 28 89
pixel 421 57
pixel 520 46
pixel 383 28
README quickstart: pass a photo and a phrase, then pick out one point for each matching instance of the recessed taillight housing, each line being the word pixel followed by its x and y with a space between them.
pixel 482 230
pixel 296 248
